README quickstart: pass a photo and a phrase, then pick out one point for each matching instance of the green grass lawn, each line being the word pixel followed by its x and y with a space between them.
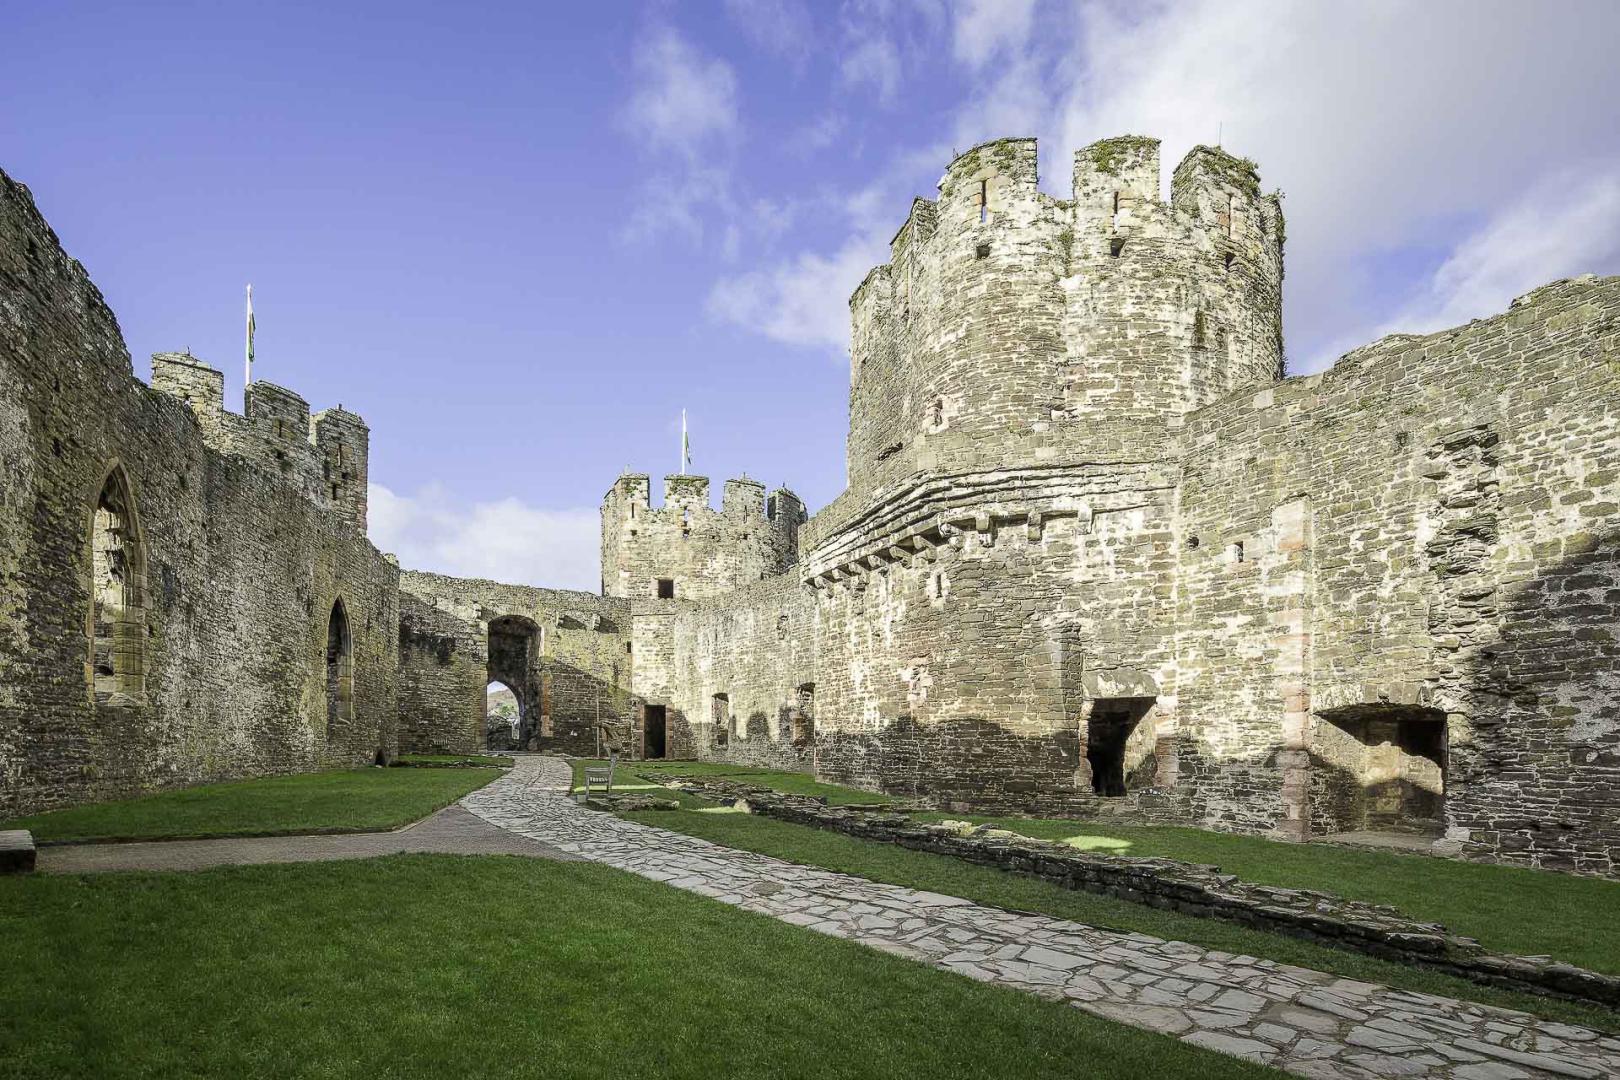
pixel 940 873
pixel 1573 916
pixel 493 761
pixel 790 783
pixel 436 966
pixel 345 800
pixel 1509 909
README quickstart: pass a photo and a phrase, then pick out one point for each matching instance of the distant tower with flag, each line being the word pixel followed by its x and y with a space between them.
pixel 686 549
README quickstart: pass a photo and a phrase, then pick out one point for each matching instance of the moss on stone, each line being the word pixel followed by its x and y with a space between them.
pixel 1108 154
pixel 1240 172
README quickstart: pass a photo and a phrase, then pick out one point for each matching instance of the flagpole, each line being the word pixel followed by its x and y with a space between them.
pixel 683 442
pixel 247 374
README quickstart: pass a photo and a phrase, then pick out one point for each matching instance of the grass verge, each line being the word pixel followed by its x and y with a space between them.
pixel 453 761
pixel 344 800
pixel 498 967
pixel 790 783
pixel 1573 917
pixel 939 873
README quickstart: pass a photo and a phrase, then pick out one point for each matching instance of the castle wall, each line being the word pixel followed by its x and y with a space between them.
pixel 959 632
pixel 225 575
pixel 758 650
pixel 1429 532
pixel 565 657
pixel 704 552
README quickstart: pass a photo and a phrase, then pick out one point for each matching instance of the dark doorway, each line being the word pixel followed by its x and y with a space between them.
pixel 1119 762
pixel 339 671
pixel 652 733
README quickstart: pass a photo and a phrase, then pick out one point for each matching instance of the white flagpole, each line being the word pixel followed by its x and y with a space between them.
pixel 683 442
pixel 248 369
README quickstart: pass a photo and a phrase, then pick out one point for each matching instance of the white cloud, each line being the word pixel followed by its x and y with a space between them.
pixel 1563 226
pixel 984 28
pixel 683 105
pixel 682 99
pixel 802 301
pixel 505 540
pixel 874 64
pixel 782 27
pixel 1405 136
pixel 1385 123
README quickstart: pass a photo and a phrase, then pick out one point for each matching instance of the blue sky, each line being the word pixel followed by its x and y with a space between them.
pixel 519 238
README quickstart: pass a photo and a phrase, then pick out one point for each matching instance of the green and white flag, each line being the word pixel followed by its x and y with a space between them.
pixel 686 446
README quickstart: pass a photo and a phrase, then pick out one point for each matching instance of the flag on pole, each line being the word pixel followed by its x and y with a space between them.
pixel 249 376
pixel 686 446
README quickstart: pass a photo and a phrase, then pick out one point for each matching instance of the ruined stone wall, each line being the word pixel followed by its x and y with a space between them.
pixel 703 552
pixel 577 674
pixel 758 650
pixel 226 573
pixel 1428 535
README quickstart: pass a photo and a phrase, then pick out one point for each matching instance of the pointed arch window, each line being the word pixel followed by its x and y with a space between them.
pixel 118 596
pixel 339 670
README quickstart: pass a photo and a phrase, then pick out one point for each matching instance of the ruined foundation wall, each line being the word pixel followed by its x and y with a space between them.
pixel 577 673
pixel 1427 530
pixel 232 572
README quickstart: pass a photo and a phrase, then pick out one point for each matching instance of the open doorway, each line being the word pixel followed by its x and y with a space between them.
pixel 653 740
pixel 1119 746
pixel 503 717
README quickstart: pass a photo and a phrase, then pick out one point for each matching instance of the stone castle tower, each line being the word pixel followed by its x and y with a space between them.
pixel 1009 324
pixel 688 550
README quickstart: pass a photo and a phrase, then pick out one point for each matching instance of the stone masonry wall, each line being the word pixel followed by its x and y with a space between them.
pixel 226 573
pixel 758 651
pixel 577 674
pixel 703 552
pixel 1428 532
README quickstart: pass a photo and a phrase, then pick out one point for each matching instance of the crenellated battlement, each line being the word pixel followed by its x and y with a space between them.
pixel 324 455
pixel 700 551
pixel 1006 316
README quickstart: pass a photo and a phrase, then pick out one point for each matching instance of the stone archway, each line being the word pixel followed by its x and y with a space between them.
pixel 514 661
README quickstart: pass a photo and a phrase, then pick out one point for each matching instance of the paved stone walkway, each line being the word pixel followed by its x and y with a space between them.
pixel 1307 1022
pixel 452 830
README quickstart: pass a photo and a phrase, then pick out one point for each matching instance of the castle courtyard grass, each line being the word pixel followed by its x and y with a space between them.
pixel 341 800
pixel 789 783
pixel 896 865
pixel 1509 909
pixel 439 966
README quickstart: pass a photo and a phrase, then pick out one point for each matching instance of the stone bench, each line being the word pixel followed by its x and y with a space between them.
pixel 16 851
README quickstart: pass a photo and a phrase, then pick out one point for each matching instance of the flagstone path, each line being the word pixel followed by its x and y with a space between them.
pixel 1307 1022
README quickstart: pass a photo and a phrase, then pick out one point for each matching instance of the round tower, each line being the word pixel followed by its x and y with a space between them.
pixel 1012 326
